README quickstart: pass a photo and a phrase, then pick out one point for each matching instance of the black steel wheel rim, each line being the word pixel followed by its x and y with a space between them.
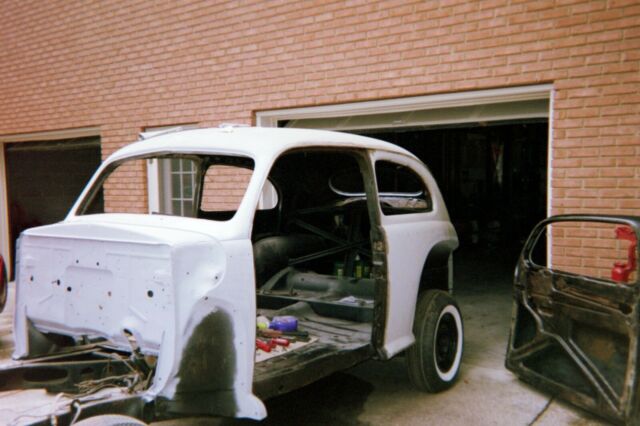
pixel 446 344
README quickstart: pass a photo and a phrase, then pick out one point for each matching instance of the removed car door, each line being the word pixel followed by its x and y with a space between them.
pixel 574 332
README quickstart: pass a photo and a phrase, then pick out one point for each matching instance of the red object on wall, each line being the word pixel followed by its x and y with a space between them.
pixel 621 271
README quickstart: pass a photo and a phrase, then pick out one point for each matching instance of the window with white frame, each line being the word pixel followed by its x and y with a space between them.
pixel 178 186
pixel 170 183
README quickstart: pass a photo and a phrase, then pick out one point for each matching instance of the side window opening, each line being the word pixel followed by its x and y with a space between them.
pixel 595 250
pixel 118 189
pixel 223 187
pixel 401 190
pixel 318 229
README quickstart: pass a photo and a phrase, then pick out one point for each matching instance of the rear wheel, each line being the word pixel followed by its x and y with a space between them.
pixel 433 362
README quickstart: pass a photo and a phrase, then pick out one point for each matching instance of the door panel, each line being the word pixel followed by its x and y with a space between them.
pixel 574 331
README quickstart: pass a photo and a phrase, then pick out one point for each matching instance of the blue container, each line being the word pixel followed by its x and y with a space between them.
pixel 284 323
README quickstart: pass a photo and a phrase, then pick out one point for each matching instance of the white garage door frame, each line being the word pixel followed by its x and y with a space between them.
pixel 416 103
pixel 5 234
pixel 437 103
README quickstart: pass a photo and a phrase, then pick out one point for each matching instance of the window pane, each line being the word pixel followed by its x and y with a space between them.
pixel 175 165
pixel 187 208
pixel 187 186
pixel 175 186
pixel 176 208
pixel 178 176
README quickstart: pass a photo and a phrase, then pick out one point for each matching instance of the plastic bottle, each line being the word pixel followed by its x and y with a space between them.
pixel 358 266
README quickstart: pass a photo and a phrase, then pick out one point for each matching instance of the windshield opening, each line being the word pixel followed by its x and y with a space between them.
pixel 187 185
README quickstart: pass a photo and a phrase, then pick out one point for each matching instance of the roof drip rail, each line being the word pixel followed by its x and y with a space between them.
pixel 148 135
pixel 230 126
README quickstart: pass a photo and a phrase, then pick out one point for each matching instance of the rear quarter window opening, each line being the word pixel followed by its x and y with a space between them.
pixel 401 190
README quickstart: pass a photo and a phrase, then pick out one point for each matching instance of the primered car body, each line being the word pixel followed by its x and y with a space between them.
pixel 181 291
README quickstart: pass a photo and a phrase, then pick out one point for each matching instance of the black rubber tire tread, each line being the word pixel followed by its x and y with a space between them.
pixel 110 420
pixel 419 357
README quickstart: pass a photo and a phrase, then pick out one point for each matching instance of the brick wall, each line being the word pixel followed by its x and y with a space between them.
pixel 127 66
pixel 224 187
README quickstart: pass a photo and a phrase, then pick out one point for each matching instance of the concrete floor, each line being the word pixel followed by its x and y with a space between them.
pixel 379 393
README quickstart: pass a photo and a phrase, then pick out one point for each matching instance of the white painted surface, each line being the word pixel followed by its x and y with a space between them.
pixel 103 274
pixel 482 113
pixel 550 177
pixel 153 185
pixel 451 373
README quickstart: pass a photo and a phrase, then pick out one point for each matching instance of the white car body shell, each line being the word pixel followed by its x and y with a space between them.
pixel 161 277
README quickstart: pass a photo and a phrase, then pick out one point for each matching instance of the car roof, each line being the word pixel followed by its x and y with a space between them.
pixel 250 141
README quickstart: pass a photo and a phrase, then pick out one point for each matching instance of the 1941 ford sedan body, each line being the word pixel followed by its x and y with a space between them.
pixel 348 234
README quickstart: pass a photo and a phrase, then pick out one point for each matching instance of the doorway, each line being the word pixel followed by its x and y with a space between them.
pixel 44 179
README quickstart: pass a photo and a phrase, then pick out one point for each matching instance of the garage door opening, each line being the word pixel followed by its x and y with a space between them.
pixel 493 178
pixel 45 178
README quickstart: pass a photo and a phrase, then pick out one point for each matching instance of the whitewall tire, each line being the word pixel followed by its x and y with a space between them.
pixel 433 362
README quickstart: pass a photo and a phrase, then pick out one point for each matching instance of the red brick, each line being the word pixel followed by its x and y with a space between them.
pixel 566 162
pixel 629 204
pixel 566 183
pixel 600 183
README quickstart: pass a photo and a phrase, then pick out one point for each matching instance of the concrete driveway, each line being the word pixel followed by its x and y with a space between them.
pixel 379 393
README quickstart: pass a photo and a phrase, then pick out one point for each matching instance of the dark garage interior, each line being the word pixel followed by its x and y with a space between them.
pixel 45 178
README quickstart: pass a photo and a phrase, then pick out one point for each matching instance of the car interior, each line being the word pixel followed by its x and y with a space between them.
pixel 313 257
